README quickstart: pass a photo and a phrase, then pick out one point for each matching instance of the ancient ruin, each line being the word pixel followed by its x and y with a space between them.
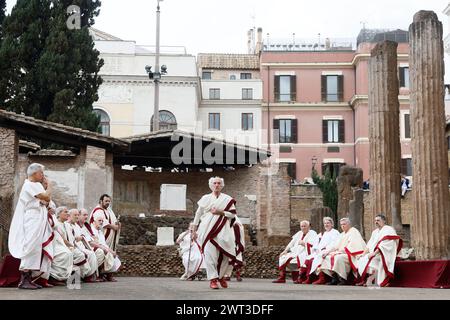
pixel 384 133
pixel 430 228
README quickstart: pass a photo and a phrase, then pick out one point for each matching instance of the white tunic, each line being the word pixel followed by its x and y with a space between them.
pixel 296 252
pixel 111 264
pixel 389 244
pixel 191 255
pixel 110 218
pixel 28 223
pixel 327 238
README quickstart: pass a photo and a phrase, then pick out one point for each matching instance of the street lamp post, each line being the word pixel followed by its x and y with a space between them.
pixel 157 76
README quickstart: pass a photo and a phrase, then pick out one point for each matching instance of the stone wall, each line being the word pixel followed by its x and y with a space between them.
pixel 139 192
pixel 9 147
pixel 303 199
pixel 152 261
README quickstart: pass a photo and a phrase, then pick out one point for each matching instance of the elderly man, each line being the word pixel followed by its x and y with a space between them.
pixel 294 256
pixel 111 225
pixel 80 261
pixel 88 234
pixel 30 234
pixel 212 227
pixel 314 260
pixel 341 257
pixel 378 260
pixel 112 262
pixel 62 264
pixel 76 238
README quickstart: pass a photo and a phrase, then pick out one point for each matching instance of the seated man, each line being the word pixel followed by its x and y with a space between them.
pixel 80 263
pixel 75 237
pixel 294 256
pixel 342 255
pixel 378 260
pixel 87 233
pixel 112 262
pixel 62 263
pixel 314 260
pixel 191 254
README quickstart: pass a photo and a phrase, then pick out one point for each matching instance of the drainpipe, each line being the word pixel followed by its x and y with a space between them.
pixel 268 109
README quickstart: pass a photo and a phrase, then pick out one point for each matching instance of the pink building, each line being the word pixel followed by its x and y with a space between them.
pixel 319 102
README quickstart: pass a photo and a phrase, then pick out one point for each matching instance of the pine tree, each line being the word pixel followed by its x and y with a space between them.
pixel 50 71
pixel 2 15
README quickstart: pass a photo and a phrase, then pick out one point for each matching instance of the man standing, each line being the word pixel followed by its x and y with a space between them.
pixel 111 224
pixel 30 227
pixel 76 238
pixel 212 227
pixel 294 256
pixel 378 260
pixel 342 256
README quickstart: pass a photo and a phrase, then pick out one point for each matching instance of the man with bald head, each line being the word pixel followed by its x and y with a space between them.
pixel 294 256
pixel 80 263
pixel 341 257
pixel 76 238
pixel 88 234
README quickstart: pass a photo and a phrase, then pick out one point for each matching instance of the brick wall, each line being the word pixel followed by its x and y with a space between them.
pixel 139 192
pixel 152 261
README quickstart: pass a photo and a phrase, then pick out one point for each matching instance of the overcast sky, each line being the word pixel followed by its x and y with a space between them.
pixel 221 25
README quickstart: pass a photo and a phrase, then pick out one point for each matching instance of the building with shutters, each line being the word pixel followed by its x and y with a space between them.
pixel 315 101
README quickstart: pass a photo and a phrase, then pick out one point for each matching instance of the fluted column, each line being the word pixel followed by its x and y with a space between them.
pixel 384 133
pixel 431 200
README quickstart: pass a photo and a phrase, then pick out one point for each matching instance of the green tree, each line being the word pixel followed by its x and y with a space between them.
pixel 50 71
pixel 328 185
pixel 2 15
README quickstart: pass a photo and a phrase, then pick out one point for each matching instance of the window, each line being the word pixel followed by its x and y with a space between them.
pixel 285 130
pixel 332 88
pixel 105 122
pixel 332 167
pixel 246 76
pixel 233 77
pixel 292 171
pixel 247 94
pixel 407 123
pixel 403 75
pixel 333 131
pixel 285 88
pixel 214 94
pixel 214 121
pixel 167 121
pixel 407 167
pixel 206 75
pixel 247 121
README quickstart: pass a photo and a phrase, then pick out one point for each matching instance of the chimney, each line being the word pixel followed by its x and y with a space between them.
pixel 250 44
pixel 259 42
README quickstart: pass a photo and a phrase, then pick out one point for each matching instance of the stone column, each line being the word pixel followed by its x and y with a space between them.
pixel 9 150
pixel 384 133
pixel 431 200
pixel 273 207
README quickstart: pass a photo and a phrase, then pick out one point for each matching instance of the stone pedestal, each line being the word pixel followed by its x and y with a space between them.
pixel 430 227
pixel 384 133
pixel 165 237
pixel 9 150
pixel 356 210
